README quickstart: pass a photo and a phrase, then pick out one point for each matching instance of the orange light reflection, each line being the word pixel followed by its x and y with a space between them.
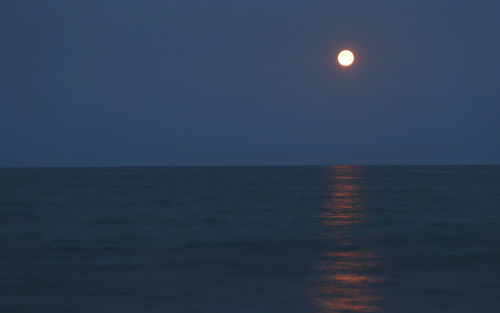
pixel 347 282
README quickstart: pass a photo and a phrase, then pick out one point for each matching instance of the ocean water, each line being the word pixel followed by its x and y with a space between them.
pixel 250 239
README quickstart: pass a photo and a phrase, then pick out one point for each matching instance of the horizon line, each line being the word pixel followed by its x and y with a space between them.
pixel 244 165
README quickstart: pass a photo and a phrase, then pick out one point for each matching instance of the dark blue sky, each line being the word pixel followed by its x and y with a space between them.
pixel 225 82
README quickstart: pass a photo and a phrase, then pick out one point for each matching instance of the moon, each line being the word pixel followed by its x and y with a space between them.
pixel 345 58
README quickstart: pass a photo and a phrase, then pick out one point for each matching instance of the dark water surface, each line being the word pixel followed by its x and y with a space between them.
pixel 250 239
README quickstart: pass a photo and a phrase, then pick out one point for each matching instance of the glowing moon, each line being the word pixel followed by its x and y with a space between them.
pixel 345 58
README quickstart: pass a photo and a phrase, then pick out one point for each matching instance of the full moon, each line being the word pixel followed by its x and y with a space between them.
pixel 345 58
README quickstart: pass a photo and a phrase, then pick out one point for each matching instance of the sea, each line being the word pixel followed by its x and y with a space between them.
pixel 250 239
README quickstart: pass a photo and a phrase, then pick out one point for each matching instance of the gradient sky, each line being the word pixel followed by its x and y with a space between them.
pixel 225 82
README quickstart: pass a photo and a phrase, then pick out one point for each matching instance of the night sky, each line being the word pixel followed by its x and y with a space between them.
pixel 225 82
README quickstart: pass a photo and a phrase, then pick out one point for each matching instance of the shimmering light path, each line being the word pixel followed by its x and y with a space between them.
pixel 347 283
